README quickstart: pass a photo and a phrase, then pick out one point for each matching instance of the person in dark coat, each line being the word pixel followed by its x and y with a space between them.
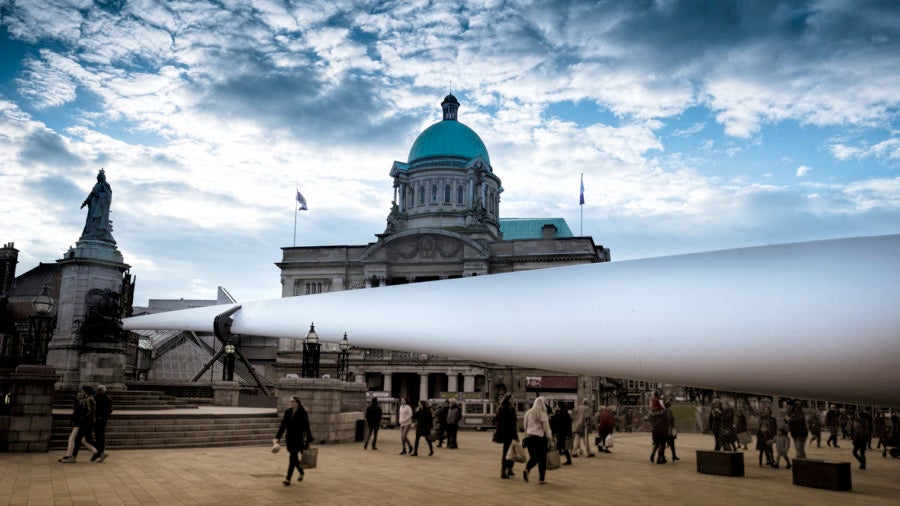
pixel 796 422
pixel 660 435
pixel 83 416
pixel 815 428
pixel 104 411
pixel 373 423
pixel 299 436
pixel 861 440
pixel 424 424
pixel 440 418
pixel 506 432
pixel 832 421
pixel 715 422
pixel 673 434
pixel 561 424
pixel 765 437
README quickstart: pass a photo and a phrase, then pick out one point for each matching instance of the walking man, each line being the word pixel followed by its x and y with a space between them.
pixel 104 409
pixel 373 424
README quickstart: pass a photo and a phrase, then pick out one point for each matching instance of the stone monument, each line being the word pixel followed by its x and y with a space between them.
pixel 88 346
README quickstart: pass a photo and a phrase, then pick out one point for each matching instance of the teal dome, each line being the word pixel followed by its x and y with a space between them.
pixel 448 138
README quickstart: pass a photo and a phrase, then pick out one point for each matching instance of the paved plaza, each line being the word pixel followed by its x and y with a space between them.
pixel 470 475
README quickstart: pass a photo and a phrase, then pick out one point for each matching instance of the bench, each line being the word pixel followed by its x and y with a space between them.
pixel 721 463
pixel 827 474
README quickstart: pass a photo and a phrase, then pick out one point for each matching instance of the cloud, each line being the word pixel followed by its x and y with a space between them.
pixel 803 170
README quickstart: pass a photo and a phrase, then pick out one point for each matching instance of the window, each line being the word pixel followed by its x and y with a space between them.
pixel 421 195
pixel 447 194
pixel 459 194
pixel 434 194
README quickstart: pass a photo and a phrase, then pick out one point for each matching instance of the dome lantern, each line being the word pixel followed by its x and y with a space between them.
pixel 450 105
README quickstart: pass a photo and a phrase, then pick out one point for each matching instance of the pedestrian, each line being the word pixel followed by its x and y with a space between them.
pixel 832 421
pixel 424 424
pixel 454 414
pixel 765 437
pixel 629 420
pixel 727 432
pixel 562 429
pixel 796 422
pixel 782 446
pixel 861 441
pixel 740 427
pixel 670 439
pixel 659 434
pixel 868 424
pixel 715 421
pixel 373 423
pixel 104 411
pixel 815 428
pixel 296 424
pixel 537 435
pixel 405 420
pixel 506 432
pixel 83 414
pixel 580 415
pixel 440 419
pixel 605 426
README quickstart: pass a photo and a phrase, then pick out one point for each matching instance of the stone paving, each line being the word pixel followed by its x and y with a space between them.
pixel 470 475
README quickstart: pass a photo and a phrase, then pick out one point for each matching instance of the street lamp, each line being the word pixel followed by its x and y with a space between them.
pixel 344 359
pixel 311 353
pixel 40 327
pixel 228 370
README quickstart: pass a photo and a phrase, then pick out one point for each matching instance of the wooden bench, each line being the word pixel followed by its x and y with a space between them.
pixel 827 474
pixel 721 463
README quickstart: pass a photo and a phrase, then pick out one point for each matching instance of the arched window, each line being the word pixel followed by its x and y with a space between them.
pixel 459 194
pixel 421 195
pixel 447 194
pixel 434 194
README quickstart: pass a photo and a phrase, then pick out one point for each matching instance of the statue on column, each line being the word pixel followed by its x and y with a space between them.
pixel 97 226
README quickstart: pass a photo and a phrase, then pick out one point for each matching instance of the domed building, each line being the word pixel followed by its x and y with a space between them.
pixel 444 223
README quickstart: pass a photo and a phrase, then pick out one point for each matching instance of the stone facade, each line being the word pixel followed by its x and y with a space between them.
pixel 29 424
pixel 444 223
pixel 335 407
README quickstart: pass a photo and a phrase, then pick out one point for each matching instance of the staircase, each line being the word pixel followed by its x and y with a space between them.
pixel 149 419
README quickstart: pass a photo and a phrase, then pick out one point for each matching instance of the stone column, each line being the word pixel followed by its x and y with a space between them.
pixel 468 383
pixel 387 382
pixel 423 386
pixel 452 383
pixel 226 393
pixel 30 423
pixel 335 407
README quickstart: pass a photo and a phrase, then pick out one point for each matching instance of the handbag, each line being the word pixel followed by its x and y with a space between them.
pixel 609 441
pixel 309 458
pixel 552 460
pixel 570 444
pixel 432 436
pixel 496 437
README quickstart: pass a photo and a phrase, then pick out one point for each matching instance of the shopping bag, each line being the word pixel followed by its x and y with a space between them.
pixel 516 452
pixel 552 460
pixel 609 441
pixel 744 438
pixel 309 457
pixel 570 444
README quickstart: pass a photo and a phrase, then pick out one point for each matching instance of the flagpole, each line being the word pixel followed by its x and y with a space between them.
pixel 581 206
pixel 296 212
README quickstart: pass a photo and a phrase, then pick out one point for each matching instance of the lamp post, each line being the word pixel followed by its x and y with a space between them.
pixel 228 370
pixel 344 359
pixel 40 327
pixel 311 354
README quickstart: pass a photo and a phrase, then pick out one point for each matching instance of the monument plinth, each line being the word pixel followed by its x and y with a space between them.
pixel 88 346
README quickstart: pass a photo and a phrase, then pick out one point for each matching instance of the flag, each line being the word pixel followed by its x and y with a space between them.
pixel 301 201
pixel 580 198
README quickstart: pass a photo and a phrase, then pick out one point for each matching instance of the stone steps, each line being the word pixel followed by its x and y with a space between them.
pixel 150 431
pixel 131 400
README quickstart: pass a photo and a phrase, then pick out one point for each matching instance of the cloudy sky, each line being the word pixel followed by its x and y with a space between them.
pixel 697 125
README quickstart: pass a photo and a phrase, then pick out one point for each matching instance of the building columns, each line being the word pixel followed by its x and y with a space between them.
pixel 423 386
pixel 387 383
pixel 452 384
pixel 468 383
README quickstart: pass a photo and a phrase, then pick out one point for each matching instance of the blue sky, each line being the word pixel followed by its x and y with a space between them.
pixel 697 125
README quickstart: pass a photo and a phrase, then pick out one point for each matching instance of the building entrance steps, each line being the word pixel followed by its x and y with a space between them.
pixel 347 474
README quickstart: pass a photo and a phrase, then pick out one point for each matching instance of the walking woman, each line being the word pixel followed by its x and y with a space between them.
pixel 537 435
pixel 506 433
pixel 424 424
pixel 296 423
